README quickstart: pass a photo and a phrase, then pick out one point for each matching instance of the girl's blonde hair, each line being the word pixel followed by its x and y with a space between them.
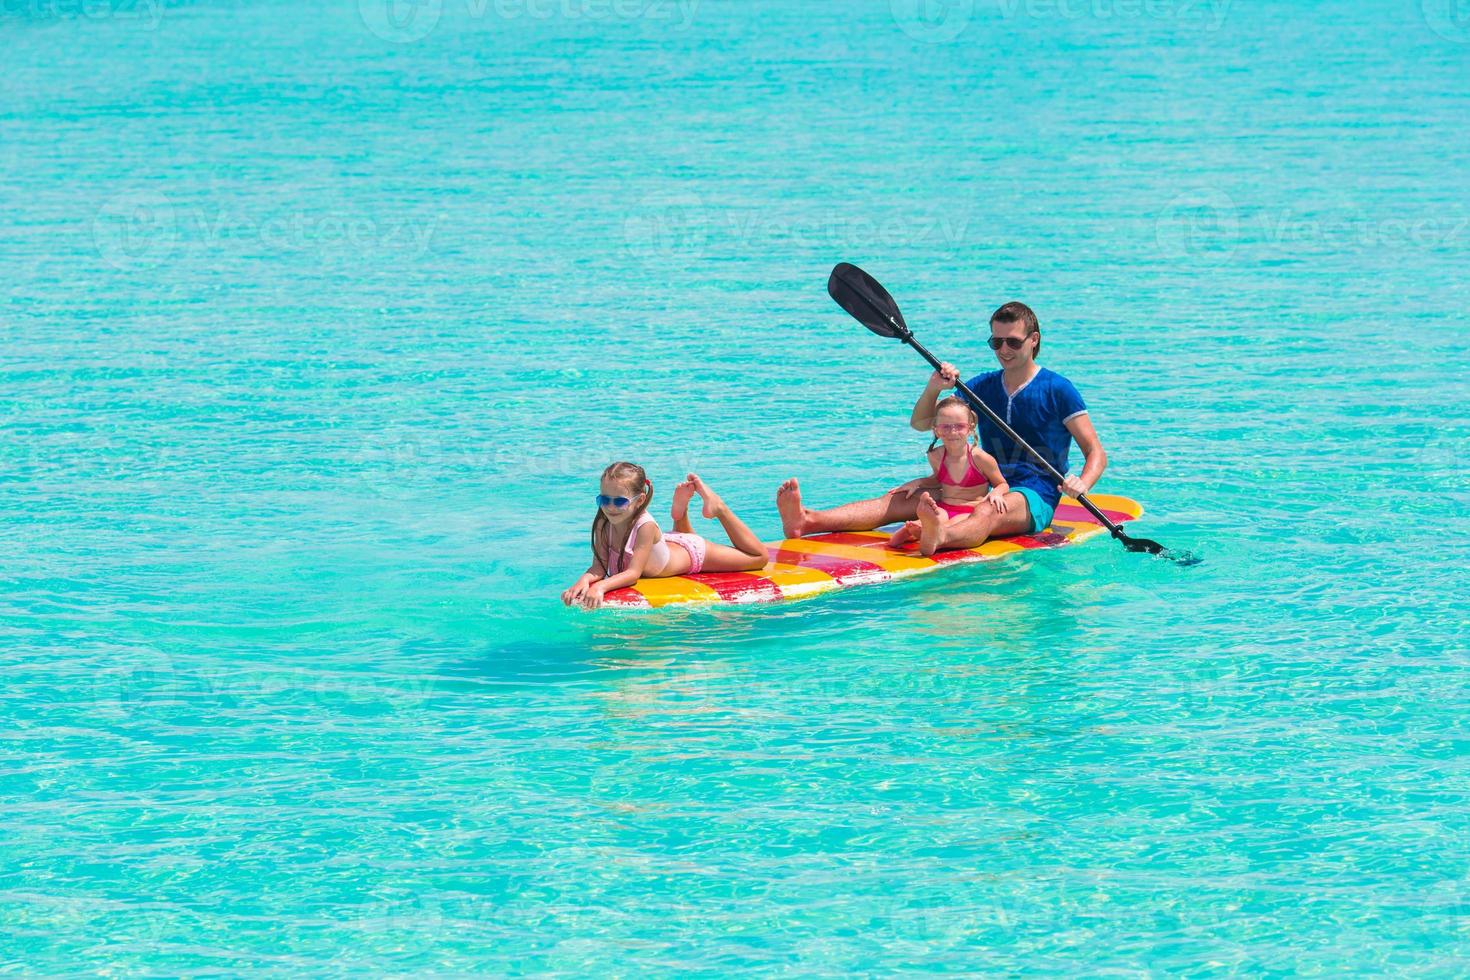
pixel 956 400
pixel 629 476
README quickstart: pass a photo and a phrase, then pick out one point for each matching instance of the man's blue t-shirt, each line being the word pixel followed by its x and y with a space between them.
pixel 1038 412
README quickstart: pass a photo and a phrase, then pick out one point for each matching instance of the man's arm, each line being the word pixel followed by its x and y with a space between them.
pixel 922 418
pixel 1092 451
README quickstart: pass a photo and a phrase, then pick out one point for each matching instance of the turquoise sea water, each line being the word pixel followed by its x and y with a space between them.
pixel 320 321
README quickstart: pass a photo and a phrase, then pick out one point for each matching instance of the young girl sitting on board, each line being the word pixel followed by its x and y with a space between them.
pixel 965 476
pixel 627 544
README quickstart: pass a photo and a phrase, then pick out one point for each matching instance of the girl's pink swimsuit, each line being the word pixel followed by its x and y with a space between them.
pixel 972 478
pixel 659 557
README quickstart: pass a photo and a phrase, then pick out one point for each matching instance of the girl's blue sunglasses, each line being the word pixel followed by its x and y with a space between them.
pixel 603 500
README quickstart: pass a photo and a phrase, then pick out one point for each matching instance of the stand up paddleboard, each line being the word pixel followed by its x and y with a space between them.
pixel 804 567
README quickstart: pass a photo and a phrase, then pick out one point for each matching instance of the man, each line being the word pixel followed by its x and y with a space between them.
pixel 1040 405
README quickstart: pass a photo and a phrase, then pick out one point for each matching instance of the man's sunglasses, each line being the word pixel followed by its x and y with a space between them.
pixel 1012 342
pixel 603 500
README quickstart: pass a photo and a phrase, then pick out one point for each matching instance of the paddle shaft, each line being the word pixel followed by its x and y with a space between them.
pixel 907 337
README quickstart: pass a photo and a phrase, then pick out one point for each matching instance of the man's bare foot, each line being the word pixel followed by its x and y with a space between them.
pixel 931 522
pixel 909 532
pixel 712 502
pixel 793 514
pixel 682 492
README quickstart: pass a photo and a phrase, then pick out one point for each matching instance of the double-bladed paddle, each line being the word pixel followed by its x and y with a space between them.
pixel 870 304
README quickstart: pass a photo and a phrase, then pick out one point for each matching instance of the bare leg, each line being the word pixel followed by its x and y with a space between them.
pixel 864 515
pixel 931 525
pixel 742 537
pixel 973 530
pixel 723 558
pixel 679 511
pixel 909 532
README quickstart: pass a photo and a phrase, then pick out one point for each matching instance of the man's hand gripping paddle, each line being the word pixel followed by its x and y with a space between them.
pixel 870 304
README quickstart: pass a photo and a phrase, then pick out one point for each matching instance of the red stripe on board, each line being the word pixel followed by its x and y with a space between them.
pixel 739 586
pixel 839 568
pixel 939 557
pixel 944 557
pixel 627 597
pixel 1046 539
pixel 850 538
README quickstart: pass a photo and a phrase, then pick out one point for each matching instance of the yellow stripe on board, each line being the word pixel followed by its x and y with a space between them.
pixel 1106 501
pixel 995 548
pixel 1070 528
pixel 1076 531
pixel 666 591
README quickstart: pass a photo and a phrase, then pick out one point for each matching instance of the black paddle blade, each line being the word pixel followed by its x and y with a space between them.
pixel 1148 547
pixel 869 303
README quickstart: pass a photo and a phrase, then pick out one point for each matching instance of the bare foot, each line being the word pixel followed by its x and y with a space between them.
pixel 931 522
pixel 793 514
pixel 909 532
pixel 682 493
pixel 712 502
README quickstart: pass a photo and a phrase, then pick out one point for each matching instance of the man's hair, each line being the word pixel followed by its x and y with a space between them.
pixel 1019 313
